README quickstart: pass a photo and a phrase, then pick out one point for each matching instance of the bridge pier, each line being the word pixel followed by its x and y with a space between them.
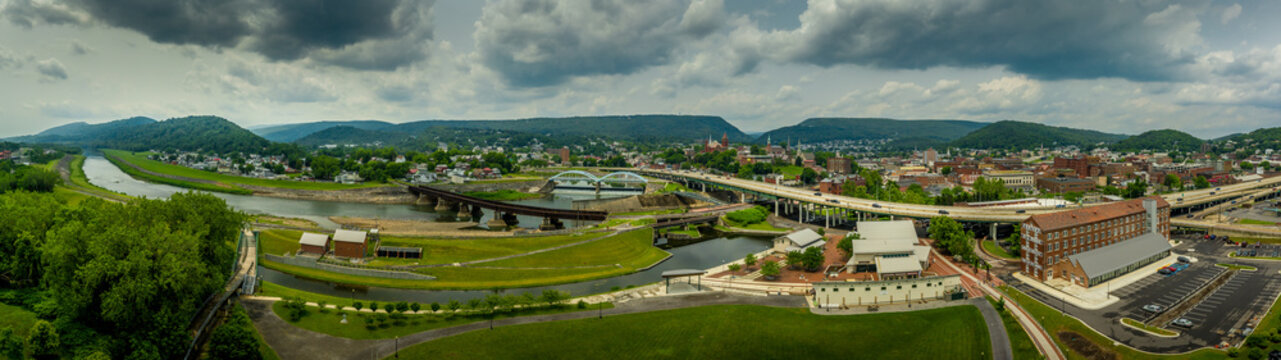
pixel 497 222
pixel 463 213
pixel 426 200
pixel 775 207
pixel 443 205
pixel 550 223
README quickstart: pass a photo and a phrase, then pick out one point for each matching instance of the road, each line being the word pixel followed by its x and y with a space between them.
pixel 1189 198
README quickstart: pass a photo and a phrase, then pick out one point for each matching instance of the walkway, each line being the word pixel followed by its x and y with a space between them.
pixel 292 342
pixel 1001 349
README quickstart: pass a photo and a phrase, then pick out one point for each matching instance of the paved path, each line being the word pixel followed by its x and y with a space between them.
pixel 995 330
pixel 292 342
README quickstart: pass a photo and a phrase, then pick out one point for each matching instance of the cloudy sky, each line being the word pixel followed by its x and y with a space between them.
pixel 1207 67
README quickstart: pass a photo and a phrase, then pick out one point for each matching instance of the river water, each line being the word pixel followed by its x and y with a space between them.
pixel 701 255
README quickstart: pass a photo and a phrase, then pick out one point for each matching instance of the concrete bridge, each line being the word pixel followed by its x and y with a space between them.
pixel 504 213
pixel 565 180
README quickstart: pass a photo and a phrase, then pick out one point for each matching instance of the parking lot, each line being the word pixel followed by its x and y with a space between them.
pixel 1247 294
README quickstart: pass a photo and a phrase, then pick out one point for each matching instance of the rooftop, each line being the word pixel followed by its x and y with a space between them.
pixel 804 238
pixel 1116 256
pixel 901 231
pixel 313 239
pixel 351 236
pixel 895 265
pixel 1063 219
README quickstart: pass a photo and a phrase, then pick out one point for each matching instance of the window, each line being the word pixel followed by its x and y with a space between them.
pixel 836 289
pixel 913 286
pixel 900 287
pixel 869 288
pixel 882 288
pixel 822 289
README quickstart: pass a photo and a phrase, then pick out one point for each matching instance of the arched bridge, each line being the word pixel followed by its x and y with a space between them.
pixel 504 213
pixel 615 177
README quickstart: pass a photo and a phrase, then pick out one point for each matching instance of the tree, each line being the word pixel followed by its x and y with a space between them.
pixel 373 306
pixel 770 269
pixel 795 259
pixel 1201 182
pixel 234 340
pixel 1172 182
pixel 416 307
pixel 42 340
pixel 10 344
pixel 475 304
pixel 325 167
pixel 357 305
pixel 553 297
pixel 1137 189
pixel 809 176
pixel 749 260
pixel 735 267
pixel 813 258
pixel 947 170
pixel 389 307
pixel 950 236
pixel 454 305
pixel 402 306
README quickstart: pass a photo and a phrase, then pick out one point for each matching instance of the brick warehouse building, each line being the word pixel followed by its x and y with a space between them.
pixel 349 243
pixel 1089 246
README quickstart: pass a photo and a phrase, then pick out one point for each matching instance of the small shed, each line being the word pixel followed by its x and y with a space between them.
pixel 313 243
pixel 400 252
pixel 798 241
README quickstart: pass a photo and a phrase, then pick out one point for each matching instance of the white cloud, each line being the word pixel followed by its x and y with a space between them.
pixel 1230 13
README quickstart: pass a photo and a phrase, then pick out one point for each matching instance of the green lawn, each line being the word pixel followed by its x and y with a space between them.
pixel 764 225
pixel 462 278
pixel 632 249
pixel 140 159
pixel 693 233
pixel 279 242
pixel 1238 267
pixel 448 251
pixel 16 318
pixel 791 170
pixel 728 332
pixel 1020 343
pixel 272 289
pixel 357 328
pixel 997 250
pixel 1054 321
pixel 68 196
pixel 503 195
pixel 672 187
pixel 1256 222
pixel 1146 327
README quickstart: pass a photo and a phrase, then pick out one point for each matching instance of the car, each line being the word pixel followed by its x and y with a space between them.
pixel 878 206
pixel 1218 188
pixel 944 212
pixel 1153 308
pixel 1184 259
pixel 1212 193
pixel 1163 271
pixel 1021 212
pixel 818 194
pixel 834 201
pixel 1059 206
pixel 1182 322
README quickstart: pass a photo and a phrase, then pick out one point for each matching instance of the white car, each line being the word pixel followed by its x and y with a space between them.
pixel 1182 322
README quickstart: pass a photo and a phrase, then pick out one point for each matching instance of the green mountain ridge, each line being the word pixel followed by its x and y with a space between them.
pixel 293 132
pixel 1010 134
pixel 1160 140
pixel 816 130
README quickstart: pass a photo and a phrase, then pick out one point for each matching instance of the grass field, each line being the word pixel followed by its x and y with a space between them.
pixel 1238 267
pixel 272 289
pixel 503 195
pixel 1054 321
pixel 997 250
pixel 1145 327
pixel 633 249
pixel 16 318
pixel 229 182
pixel 728 332
pixel 356 326
pixel 279 242
pixel 1020 343
pixel 764 225
pixel 462 278
pixel 1256 222
pixel 448 251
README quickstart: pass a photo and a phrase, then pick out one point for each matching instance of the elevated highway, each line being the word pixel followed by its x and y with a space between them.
pixel 810 199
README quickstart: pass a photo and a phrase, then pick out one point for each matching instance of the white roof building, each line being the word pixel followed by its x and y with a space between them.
pixel 891 247
pixel 798 241
pixel 349 236
pixel 313 239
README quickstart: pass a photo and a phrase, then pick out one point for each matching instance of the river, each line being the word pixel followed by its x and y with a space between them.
pixel 700 255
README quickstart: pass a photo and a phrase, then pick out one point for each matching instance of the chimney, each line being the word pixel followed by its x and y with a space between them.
pixel 1149 205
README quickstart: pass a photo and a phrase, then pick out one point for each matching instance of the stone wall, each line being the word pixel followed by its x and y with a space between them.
pixel 313 263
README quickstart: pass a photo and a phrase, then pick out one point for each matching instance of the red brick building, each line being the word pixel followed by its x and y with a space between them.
pixel 1091 245
pixel 838 165
pixel 349 243
pixel 1064 185
pixel 829 186
pixel 312 243
pixel 1079 165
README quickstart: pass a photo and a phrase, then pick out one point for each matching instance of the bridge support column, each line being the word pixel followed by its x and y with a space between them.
pixel 497 222
pixel 426 200
pixel 551 224
pixel 443 205
pixel 993 233
pixel 510 219
pixel 775 207
pixel 464 214
pixel 827 222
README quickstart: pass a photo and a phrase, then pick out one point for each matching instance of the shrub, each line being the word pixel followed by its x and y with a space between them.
pixel 582 304
pixel 42 340
pixel 323 308
pixel 748 216
pixel 1255 341
pixel 373 306
pixel 735 267
pixel 1255 354
pixel 357 305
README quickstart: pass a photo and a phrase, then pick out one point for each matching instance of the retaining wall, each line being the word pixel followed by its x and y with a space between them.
pixel 313 263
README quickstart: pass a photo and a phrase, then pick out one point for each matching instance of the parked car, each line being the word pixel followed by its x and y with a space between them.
pixel 1184 259
pixel 878 206
pixel 818 194
pixel 1153 308
pixel 1182 322
pixel 944 212
pixel 1163 271
pixel 834 201
pixel 1020 212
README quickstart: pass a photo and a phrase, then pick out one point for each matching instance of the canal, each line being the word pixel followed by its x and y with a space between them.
pixel 700 255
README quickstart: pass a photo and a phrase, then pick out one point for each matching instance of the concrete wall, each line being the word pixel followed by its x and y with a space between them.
pixel 864 293
pixel 310 262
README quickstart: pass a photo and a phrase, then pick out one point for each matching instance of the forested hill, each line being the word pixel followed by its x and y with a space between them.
pixel 816 130
pixel 1267 138
pixel 293 132
pixel 1009 134
pixel 1160 140
pixel 193 133
pixel 623 127
pixel 81 131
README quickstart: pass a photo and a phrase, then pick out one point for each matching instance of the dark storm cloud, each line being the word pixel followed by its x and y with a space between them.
pixel 546 42
pixel 345 33
pixel 1137 40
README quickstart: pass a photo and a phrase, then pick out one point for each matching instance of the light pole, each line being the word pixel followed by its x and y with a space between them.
pixel 397 347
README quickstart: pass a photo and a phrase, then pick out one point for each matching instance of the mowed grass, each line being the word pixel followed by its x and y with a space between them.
pixel 330 322
pixel 81 181
pixel 279 242
pixel 140 159
pixel 763 226
pixel 1257 222
pixel 1054 321
pixel 632 249
pixel 728 332
pixel 16 318
pixel 449 251
pixel 273 289
pixel 1020 343
pixel 994 249
pixel 461 278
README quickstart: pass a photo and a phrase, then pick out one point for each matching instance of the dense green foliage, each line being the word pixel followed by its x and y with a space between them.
pixel 552 132
pixel 748 216
pixel 194 133
pixel 234 339
pixel 1159 140
pixel 29 178
pixel 119 278
pixel 293 132
pixel 816 130
pixel 950 236
pixel 81 132
pixel 1010 134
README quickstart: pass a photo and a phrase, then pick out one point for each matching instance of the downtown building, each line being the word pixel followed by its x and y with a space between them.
pixel 1091 245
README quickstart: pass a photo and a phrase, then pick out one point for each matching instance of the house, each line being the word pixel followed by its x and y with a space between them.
pixel 798 241
pixel 312 243
pixel 349 243
pixel 347 177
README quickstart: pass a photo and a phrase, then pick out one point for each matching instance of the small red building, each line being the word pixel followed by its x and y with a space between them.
pixel 349 243
pixel 312 243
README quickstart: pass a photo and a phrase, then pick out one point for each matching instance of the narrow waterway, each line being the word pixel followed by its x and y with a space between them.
pixel 701 255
